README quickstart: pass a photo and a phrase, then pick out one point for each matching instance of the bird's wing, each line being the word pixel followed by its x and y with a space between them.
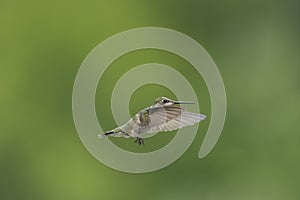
pixel 168 118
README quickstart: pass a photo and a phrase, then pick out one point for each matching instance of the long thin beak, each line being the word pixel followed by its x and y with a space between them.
pixel 183 102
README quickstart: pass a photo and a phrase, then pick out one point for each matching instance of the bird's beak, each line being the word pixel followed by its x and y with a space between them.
pixel 183 102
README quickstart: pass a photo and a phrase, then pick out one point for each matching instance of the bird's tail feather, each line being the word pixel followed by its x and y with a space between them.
pixel 114 133
pixel 103 135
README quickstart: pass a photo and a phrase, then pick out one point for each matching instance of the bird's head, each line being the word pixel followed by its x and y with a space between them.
pixel 163 101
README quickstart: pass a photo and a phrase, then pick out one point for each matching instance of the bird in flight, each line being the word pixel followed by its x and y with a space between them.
pixel 164 115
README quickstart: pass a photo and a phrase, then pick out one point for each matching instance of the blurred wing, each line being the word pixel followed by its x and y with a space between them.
pixel 169 118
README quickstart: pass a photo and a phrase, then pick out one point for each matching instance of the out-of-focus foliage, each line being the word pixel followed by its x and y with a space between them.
pixel 256 47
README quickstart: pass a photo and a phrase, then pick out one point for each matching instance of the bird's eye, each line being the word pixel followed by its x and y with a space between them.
pixel 165 101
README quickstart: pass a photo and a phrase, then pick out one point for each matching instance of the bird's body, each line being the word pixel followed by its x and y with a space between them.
pixel 164 115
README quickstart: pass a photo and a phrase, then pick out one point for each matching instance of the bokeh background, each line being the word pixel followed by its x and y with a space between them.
pixel 256 47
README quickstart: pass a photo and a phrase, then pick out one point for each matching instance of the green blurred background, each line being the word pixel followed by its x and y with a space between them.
pixel 256 47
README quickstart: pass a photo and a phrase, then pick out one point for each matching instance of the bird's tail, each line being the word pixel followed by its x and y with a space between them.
pixel 115 133
pixel 103 135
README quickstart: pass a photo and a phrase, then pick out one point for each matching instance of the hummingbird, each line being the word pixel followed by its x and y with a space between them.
pixel 163 115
